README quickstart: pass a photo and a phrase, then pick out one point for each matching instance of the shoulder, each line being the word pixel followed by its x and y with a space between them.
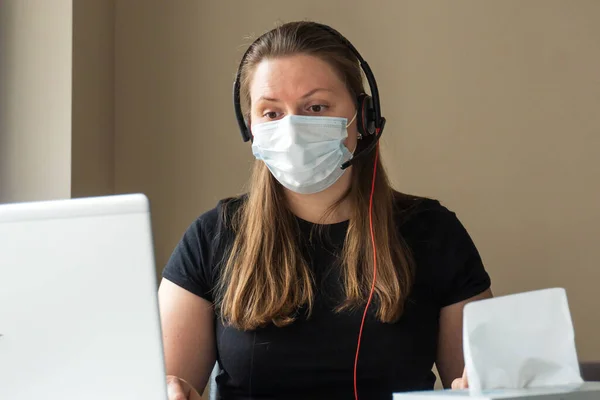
pixel 418 215
pixel 194 263
pixel 219 219
pixel 427 225
pixel 446 259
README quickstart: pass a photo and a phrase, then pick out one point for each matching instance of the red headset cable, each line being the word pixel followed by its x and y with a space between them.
pixel 362 324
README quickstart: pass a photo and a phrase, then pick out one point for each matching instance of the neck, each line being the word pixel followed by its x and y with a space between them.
pixel 314 207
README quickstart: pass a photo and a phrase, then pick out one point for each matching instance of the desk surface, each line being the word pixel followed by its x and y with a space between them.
pixel 585 391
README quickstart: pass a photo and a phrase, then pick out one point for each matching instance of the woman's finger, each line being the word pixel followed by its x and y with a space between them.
pixel 461 383
pixel 175 390
pixel 456 384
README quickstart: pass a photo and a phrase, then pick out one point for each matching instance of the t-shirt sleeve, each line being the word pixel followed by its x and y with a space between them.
pixel 189 265
pixel 465 275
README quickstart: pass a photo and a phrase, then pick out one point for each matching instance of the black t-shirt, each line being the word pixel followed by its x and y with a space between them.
pixel 313 358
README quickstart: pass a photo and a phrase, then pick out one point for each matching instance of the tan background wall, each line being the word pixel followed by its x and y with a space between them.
pixel 492 108
pixel 93 122
pixel 35 99
pixel 56 99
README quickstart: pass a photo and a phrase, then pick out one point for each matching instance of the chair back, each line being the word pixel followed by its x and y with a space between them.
pixel 590 371
pixel 212 384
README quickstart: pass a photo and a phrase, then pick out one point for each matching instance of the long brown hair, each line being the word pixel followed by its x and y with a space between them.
pixel 265 278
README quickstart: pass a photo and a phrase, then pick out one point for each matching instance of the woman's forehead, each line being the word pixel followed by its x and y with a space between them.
pixel 293 77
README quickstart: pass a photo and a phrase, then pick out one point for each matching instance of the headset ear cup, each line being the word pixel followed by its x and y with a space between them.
pixel 365 118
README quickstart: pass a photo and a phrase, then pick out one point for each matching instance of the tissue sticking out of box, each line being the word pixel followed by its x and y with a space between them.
pixel 520 341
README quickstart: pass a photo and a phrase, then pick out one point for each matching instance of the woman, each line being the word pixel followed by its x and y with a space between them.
pixel 278 284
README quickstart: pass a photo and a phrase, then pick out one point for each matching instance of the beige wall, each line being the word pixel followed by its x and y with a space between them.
pixel 93 162
pixel 35 99
pixel 56 99
pixel 492 108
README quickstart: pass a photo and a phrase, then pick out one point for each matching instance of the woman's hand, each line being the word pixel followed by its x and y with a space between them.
pixel 178 389
pixel 458 383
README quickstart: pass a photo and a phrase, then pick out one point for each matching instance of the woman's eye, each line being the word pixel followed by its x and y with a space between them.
pixel 270 115
pixel 317 108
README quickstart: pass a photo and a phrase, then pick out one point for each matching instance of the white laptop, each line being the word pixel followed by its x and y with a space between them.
pixel 78 305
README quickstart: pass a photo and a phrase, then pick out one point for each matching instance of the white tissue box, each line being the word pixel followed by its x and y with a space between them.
pixel 582 391
pixel 518 341
pixel 520 346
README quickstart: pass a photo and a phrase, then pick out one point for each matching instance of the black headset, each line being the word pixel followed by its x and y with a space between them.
pixel 368 118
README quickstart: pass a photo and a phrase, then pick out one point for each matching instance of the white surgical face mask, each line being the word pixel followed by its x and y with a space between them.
pixel 304 153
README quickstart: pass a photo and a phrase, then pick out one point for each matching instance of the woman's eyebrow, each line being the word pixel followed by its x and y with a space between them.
pixel 307 94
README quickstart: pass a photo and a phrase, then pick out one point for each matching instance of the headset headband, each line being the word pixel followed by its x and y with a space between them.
pixel 378 120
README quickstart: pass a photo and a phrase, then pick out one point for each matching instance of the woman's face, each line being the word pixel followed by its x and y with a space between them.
pixel 300 85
